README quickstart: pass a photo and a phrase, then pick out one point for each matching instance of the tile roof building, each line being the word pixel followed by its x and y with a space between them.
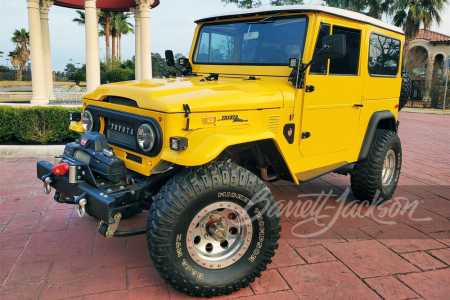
pixel 433 37
pixel 433 49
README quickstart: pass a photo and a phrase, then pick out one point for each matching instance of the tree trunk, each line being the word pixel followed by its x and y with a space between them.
pixel 113 49
pixel 107 37
pixel 120 47
pixel 19 74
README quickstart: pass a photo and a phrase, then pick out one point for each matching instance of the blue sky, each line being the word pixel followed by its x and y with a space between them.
pixel 172 27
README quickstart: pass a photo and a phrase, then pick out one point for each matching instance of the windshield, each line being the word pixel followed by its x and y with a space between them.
pixel 271 42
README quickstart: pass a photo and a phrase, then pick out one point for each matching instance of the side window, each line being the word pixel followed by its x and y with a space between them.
pixel 320 64
pixel 384 55
pixel 347 65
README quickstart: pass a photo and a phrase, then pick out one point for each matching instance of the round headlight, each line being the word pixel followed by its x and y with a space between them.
pixel 146 137
pixel 87 121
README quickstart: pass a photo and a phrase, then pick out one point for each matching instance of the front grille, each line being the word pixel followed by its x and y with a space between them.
pixel 121 131
pixel 121 101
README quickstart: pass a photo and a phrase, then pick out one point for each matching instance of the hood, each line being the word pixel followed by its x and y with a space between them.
pixel 225 94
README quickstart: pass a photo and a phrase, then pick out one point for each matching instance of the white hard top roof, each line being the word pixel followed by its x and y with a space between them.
pixel 305 8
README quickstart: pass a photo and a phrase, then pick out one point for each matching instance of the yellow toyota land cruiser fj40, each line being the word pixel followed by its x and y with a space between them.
pixel 288 93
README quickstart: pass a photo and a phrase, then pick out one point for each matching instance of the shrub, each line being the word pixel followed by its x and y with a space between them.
pixel 102 77
pixel 78 76
pixel 6 122
pixel 117 75
pixel 36 124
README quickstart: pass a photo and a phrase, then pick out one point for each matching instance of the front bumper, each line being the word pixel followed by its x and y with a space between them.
pixel 99 203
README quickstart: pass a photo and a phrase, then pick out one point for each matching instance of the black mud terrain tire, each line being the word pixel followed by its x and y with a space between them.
pixel 368 181
pixel 182 200
pixel 405 93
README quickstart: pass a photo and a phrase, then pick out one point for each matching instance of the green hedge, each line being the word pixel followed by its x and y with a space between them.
pixel 116 75
pixel 38 125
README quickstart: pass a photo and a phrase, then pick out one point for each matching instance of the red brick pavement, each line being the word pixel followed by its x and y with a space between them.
pixel 47 252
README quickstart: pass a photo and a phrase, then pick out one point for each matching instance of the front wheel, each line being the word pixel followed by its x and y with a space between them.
pixel 375 178
pixel 213 229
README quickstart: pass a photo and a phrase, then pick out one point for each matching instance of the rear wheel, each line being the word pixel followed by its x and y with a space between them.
pixel 375 178
pixel 208 231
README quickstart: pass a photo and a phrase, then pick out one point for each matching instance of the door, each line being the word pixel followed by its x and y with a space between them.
pixel 332 107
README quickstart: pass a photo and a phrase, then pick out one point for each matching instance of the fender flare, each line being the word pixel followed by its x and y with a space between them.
pixel 207 144
pixel 373 125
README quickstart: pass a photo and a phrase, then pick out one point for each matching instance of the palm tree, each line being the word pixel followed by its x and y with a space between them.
pixel 123 27
pixel 119 26
pixel 104 21
pixel 113 28
pixel 81 20
pixel 21 38
pixel 411 14
pixel 21 54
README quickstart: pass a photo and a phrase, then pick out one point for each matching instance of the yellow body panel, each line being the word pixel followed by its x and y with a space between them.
pixel 266 105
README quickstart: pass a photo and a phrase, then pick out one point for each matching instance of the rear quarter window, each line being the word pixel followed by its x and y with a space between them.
pixel 384 55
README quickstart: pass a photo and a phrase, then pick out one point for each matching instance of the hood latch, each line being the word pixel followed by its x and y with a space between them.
pixel 187 112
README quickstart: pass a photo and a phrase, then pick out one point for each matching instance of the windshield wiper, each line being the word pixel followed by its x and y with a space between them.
pixel 265 20
pixel 211 77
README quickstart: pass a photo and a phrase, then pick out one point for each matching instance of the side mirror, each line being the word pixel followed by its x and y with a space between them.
pixel 334 46
pixel 170 60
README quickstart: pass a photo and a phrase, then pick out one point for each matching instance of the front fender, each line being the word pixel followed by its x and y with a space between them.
pixel 76 126
pixel 206 144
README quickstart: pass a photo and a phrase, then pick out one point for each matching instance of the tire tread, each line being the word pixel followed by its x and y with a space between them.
pixel 365 177
pixel 168 205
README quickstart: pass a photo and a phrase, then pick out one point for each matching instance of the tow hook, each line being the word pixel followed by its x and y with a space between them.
pixel 81 205
pixel 111 228
pixel 47 181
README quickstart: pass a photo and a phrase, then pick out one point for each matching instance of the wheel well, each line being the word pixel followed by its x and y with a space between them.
pixel 243 155
pixel 379 120
pixel 388 124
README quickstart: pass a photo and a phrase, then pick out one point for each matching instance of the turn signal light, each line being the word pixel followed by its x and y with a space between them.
pixel 74 116
pixel 209 120
pixel 60 169
pixel 178 143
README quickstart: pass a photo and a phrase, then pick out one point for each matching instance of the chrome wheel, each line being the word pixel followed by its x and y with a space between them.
pixel 219 235
pixel 388 169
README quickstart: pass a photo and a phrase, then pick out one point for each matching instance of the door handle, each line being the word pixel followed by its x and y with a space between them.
pixel 306 135
pixel 358 105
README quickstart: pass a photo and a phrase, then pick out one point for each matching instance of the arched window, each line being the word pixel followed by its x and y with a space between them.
pixel 438 65
pixel 416 61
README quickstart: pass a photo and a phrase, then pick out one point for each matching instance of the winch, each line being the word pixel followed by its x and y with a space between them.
pixel 93 150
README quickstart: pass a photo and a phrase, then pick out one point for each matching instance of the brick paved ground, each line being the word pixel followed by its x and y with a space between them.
pixel 47 252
